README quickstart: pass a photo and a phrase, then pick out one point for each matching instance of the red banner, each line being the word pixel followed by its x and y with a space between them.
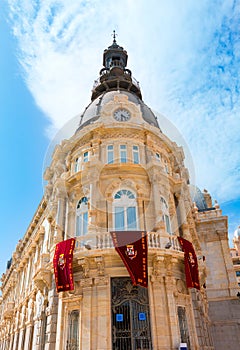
pixel 62 263
pixel 191 264
pixel 132 248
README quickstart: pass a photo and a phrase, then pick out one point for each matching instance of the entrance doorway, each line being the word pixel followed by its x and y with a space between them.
pixel 130 316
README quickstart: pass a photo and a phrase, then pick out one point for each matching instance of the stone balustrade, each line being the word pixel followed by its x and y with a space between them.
pixel 104 241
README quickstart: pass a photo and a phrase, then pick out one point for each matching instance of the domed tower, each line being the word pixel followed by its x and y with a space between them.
pixel 120 172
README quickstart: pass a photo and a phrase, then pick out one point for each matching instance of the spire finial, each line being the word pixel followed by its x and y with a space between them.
pixel 114 37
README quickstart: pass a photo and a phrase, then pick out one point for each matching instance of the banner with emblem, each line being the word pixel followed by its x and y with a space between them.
pixel 191 264
pixel 132 248
pixel 62 263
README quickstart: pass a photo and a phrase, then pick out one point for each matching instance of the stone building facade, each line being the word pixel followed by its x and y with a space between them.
pixel 119 171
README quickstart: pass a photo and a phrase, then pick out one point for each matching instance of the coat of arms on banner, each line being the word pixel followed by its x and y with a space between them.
pixel 61 261
pixel 131 252
pixel 191 259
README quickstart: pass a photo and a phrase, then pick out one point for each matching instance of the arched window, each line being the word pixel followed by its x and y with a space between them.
pixel 165 215
pixel 125 211
pixel 82 217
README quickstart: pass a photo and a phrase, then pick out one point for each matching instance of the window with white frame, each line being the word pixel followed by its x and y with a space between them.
pixel 86 157
pixel 135 150
pixel 125 210
pixel 76 165
pixel 110 154
pixel 165 215
pixel 82 217
pixel 123 154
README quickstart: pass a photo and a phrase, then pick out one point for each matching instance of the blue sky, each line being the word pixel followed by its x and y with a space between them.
pixel 185 55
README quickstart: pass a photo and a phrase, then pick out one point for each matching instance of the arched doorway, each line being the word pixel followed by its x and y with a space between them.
pixel 130 316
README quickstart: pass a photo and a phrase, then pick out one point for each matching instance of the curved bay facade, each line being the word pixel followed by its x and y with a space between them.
pixel 120 172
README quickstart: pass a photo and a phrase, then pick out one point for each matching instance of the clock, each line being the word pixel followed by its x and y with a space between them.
pixel 122 115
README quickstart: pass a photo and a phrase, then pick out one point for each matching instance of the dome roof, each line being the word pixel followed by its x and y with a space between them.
pixel 93 110
pixel 237 232
pixel 197 197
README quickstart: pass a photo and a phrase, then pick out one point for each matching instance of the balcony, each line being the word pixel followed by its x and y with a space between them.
pixel 104 241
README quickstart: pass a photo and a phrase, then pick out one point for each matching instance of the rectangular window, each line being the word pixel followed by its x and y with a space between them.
pixel 238 273
pixel 110 154
pixel 123 153
pixel 119 218
pixel 135 155
pixel 76 165
pixel 85 157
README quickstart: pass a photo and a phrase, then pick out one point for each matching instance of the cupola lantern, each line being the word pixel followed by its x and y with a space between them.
pixel 115 75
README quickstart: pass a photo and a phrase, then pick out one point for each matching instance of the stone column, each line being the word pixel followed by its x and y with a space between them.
pixel 11 336
pixel 51 312
pixel 38 321
pixel 29 325
pixel 22 329
pixel 16 331
pixel 161 331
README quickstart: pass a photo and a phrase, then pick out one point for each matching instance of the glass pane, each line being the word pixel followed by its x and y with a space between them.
pixel 123 157
pixel 131 218
pixel 85 223
pixel 119 218
pixel 123 153
pixel 110 157
pixel 85 157
pixel 135 158
pixel 117 195
pixel 167 222
pixel 78 225
pixel 135 155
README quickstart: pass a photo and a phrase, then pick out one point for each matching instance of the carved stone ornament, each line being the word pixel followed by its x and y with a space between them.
pixel 100 265
pixel 101 281
pixel 84 263
pixel 181 287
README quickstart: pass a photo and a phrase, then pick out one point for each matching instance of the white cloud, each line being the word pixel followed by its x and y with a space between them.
pixel 185 55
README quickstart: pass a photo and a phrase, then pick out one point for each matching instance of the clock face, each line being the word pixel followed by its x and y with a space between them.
pixel 122 115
